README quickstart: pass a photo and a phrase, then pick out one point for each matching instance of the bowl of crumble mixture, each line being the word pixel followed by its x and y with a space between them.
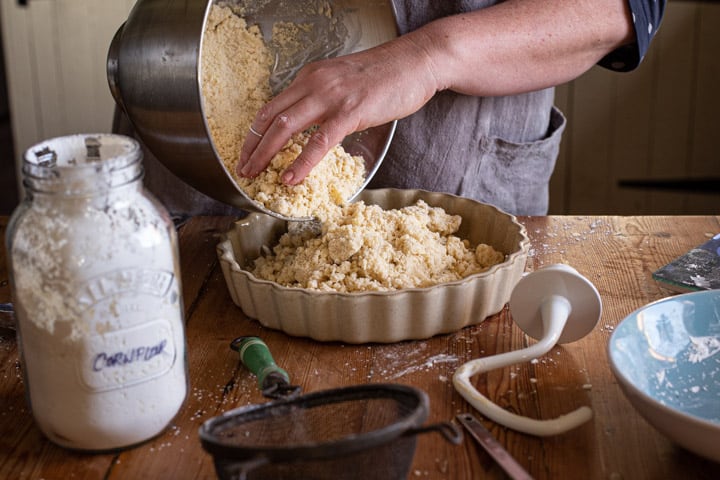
pixel 191 77
pixel 394 265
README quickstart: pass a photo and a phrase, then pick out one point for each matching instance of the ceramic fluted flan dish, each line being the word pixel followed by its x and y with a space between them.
pixel 386 316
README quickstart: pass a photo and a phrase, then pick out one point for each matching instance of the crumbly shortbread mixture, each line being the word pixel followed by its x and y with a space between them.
pixel 236 67
pixel 361 247
pixel 367 248
pixel 330 184
pixel 235 79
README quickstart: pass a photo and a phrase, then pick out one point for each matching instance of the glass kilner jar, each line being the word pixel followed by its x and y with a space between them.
pixel 95 281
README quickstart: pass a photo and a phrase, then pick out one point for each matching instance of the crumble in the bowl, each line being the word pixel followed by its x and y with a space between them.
pixel 235 83
pixel 366 248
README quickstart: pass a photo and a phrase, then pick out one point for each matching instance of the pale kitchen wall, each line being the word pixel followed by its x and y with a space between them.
pixel 55 53
pixel 657 122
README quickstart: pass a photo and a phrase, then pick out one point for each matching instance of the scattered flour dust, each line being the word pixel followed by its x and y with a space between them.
pixel 402 360
pixel 425 365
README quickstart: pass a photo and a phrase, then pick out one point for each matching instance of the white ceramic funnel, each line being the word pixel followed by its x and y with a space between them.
pixel 553 305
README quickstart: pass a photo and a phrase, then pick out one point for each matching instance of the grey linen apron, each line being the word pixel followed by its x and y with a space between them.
pixel 498 150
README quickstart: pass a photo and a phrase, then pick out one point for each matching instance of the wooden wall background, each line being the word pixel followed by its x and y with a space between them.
pixel 55 52
pixel 659 121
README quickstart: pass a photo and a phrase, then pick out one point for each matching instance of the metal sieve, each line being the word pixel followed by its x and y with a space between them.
pixel 363 431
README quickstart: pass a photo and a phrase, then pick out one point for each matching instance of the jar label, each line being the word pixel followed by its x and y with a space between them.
pixel 125 357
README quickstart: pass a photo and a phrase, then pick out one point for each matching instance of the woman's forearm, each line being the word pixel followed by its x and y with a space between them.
pixel 521 45
pixel 513 47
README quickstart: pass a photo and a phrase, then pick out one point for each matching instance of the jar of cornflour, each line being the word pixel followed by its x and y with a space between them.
pixel 96 286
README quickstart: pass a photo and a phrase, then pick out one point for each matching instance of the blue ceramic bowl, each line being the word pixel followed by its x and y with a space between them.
pixel 666 357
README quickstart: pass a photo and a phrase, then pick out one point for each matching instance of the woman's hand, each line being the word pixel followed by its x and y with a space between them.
pixel 512 47
pixel 340 96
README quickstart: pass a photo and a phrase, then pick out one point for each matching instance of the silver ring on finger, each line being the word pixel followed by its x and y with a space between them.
pixel 254 132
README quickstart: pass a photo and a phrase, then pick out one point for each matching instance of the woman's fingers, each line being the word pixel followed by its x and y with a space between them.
pixel 338 96
pixel 317 97
pixel 269 131
pixel 257 152
pixel 318 145
pixel 252 140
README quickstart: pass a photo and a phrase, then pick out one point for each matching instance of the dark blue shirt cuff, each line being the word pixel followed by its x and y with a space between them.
pixel 647 16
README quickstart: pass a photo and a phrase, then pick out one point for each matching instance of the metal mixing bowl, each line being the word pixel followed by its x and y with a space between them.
pixel 153 70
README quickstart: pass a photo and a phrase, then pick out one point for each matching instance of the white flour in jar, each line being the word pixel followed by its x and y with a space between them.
pixel 97 298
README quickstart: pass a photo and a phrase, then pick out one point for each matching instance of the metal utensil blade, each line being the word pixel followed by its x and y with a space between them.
pixel 478 431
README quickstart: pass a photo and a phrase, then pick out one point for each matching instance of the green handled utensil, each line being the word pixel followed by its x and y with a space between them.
pixel 274 382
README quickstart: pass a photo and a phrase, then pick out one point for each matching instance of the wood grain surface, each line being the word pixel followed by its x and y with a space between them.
pixel 618 254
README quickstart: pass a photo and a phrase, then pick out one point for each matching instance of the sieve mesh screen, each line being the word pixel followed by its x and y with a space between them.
pixel 355 432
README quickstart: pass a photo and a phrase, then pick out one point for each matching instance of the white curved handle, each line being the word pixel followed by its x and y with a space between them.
pixel 555 311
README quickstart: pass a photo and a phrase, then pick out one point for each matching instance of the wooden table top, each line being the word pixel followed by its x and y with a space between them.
pixel 618 254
